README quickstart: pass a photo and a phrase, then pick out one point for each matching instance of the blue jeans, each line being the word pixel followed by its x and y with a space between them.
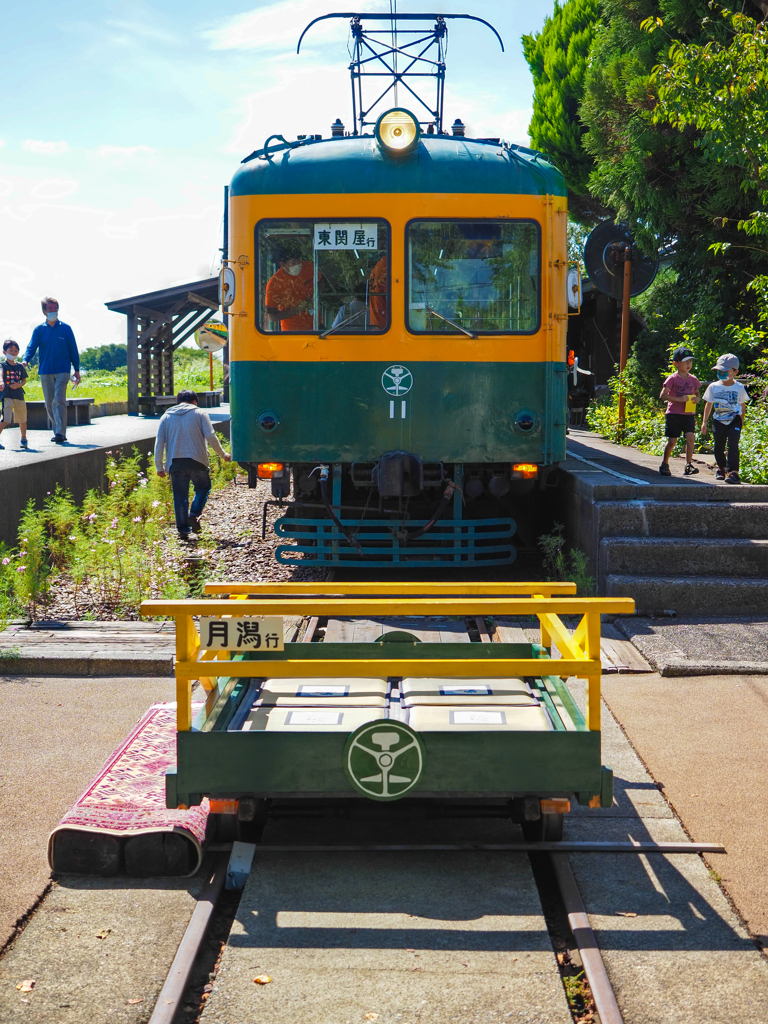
pixel 55 395
pixel 180 481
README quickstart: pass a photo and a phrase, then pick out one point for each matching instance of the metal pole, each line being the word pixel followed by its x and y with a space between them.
pixel 210 367
pixel 225 254
pixel 624 352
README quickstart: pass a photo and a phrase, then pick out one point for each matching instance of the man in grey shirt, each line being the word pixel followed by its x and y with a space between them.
pixel 180 449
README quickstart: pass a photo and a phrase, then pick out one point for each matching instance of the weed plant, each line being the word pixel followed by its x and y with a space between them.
pixel 564 565
pixel 111 552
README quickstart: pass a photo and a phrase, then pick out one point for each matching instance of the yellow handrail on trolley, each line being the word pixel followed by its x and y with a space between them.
pixel 579 649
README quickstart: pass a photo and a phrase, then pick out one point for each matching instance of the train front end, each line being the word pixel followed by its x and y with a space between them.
pixel 397 342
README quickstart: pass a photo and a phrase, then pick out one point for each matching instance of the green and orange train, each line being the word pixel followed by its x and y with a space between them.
pixel 398 340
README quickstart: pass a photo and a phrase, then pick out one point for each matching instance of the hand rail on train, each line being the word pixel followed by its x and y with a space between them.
pixel 579 648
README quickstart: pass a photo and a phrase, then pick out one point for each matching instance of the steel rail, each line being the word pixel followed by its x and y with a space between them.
pixel 176 982
pixel 594 968
pixel 540 847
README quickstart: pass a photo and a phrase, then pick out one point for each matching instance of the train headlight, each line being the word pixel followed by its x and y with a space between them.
pixel 397 132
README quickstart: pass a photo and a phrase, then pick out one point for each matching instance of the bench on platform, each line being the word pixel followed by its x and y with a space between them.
pixel 155 405
pixel 78 413
pixel 208 399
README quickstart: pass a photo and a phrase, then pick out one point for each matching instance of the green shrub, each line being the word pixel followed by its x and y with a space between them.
pixel 116 549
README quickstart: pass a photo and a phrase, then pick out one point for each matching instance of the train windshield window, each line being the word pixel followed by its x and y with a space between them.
pixel 315 276
pixel 482 275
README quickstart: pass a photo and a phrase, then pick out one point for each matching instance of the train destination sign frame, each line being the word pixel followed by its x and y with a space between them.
pixel 257 633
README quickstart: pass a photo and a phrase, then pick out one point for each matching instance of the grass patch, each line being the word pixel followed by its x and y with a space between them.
pixel 190 370
pixel 111 552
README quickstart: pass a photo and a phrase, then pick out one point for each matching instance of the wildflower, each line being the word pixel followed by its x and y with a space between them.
pixel 113 484
pixel 114 523
pixel 155 504
pixel 136 519
pixel 72 536
pixel 21 568
pixel 6 561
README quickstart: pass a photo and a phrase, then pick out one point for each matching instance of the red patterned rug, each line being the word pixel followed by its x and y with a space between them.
pixel 127 796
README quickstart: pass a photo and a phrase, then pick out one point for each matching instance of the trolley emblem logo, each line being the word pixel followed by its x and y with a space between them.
pixel 384 760
pixel 397 380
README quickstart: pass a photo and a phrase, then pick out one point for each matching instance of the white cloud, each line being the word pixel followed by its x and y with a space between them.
pixel 53 188
pixel 118 152
pixel 44 148
pixel 277 25
pixel 6 187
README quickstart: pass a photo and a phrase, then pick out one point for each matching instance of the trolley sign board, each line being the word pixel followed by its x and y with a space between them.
pixel 259 633
pixel 346 236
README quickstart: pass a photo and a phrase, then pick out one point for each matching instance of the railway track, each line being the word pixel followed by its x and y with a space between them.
pixel 463 919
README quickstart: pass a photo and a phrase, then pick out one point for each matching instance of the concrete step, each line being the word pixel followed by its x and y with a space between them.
pixel 682 519
pixel 697 556
pixel 700 595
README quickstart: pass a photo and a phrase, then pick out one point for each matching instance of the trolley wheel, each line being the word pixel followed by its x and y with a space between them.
pixel 548 829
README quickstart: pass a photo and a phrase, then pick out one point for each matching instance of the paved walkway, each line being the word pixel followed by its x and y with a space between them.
pixel 57 733
pixel 705 742
pixel 101 432
pixel 624 460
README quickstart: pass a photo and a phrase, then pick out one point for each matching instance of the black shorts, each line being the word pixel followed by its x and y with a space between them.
pixel 677 423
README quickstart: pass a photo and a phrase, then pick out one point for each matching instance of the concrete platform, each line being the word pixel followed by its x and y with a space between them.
pixel 397 938
pixel 673 946
pixel 664 541
pixel 56 735
pixel 708 747
pixel 77 466
pixel 701 646
pixel 84 649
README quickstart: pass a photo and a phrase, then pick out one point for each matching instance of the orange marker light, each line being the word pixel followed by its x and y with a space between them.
pixel 223 806
pixel 525 471
pixel 556 805
pixel 266 470
pixel 571 357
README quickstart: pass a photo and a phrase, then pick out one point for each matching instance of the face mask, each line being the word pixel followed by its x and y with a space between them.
pixel 52 317
pixel 293 271
pixel 723 374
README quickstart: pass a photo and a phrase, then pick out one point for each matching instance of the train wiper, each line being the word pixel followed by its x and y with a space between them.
pixel 458 327
pixel 344 323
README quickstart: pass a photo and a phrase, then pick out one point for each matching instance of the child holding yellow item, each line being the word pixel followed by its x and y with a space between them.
pixel 681 393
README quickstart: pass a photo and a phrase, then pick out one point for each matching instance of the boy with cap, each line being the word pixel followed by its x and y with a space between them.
pixel 681 393
pixel 729 400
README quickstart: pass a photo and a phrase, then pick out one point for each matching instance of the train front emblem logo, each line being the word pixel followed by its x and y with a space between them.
pixel 397 380
pixel 384 760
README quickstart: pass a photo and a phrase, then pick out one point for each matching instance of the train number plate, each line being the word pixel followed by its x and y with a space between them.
pixel 259 633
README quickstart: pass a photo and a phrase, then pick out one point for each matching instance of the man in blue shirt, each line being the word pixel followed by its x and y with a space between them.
pixel 58 353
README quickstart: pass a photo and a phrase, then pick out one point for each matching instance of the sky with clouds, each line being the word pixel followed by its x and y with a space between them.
pixel 122 121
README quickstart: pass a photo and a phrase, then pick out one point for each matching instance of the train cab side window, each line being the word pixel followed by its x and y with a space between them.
pixel 315 276
pixel 481 275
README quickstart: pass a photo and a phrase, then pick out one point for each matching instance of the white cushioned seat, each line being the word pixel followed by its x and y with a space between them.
pixel 315 719
pixel 466 691
pixel 318 692
pixel 479 718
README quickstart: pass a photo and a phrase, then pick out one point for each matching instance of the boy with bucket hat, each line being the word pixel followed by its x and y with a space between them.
pixel 729 400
